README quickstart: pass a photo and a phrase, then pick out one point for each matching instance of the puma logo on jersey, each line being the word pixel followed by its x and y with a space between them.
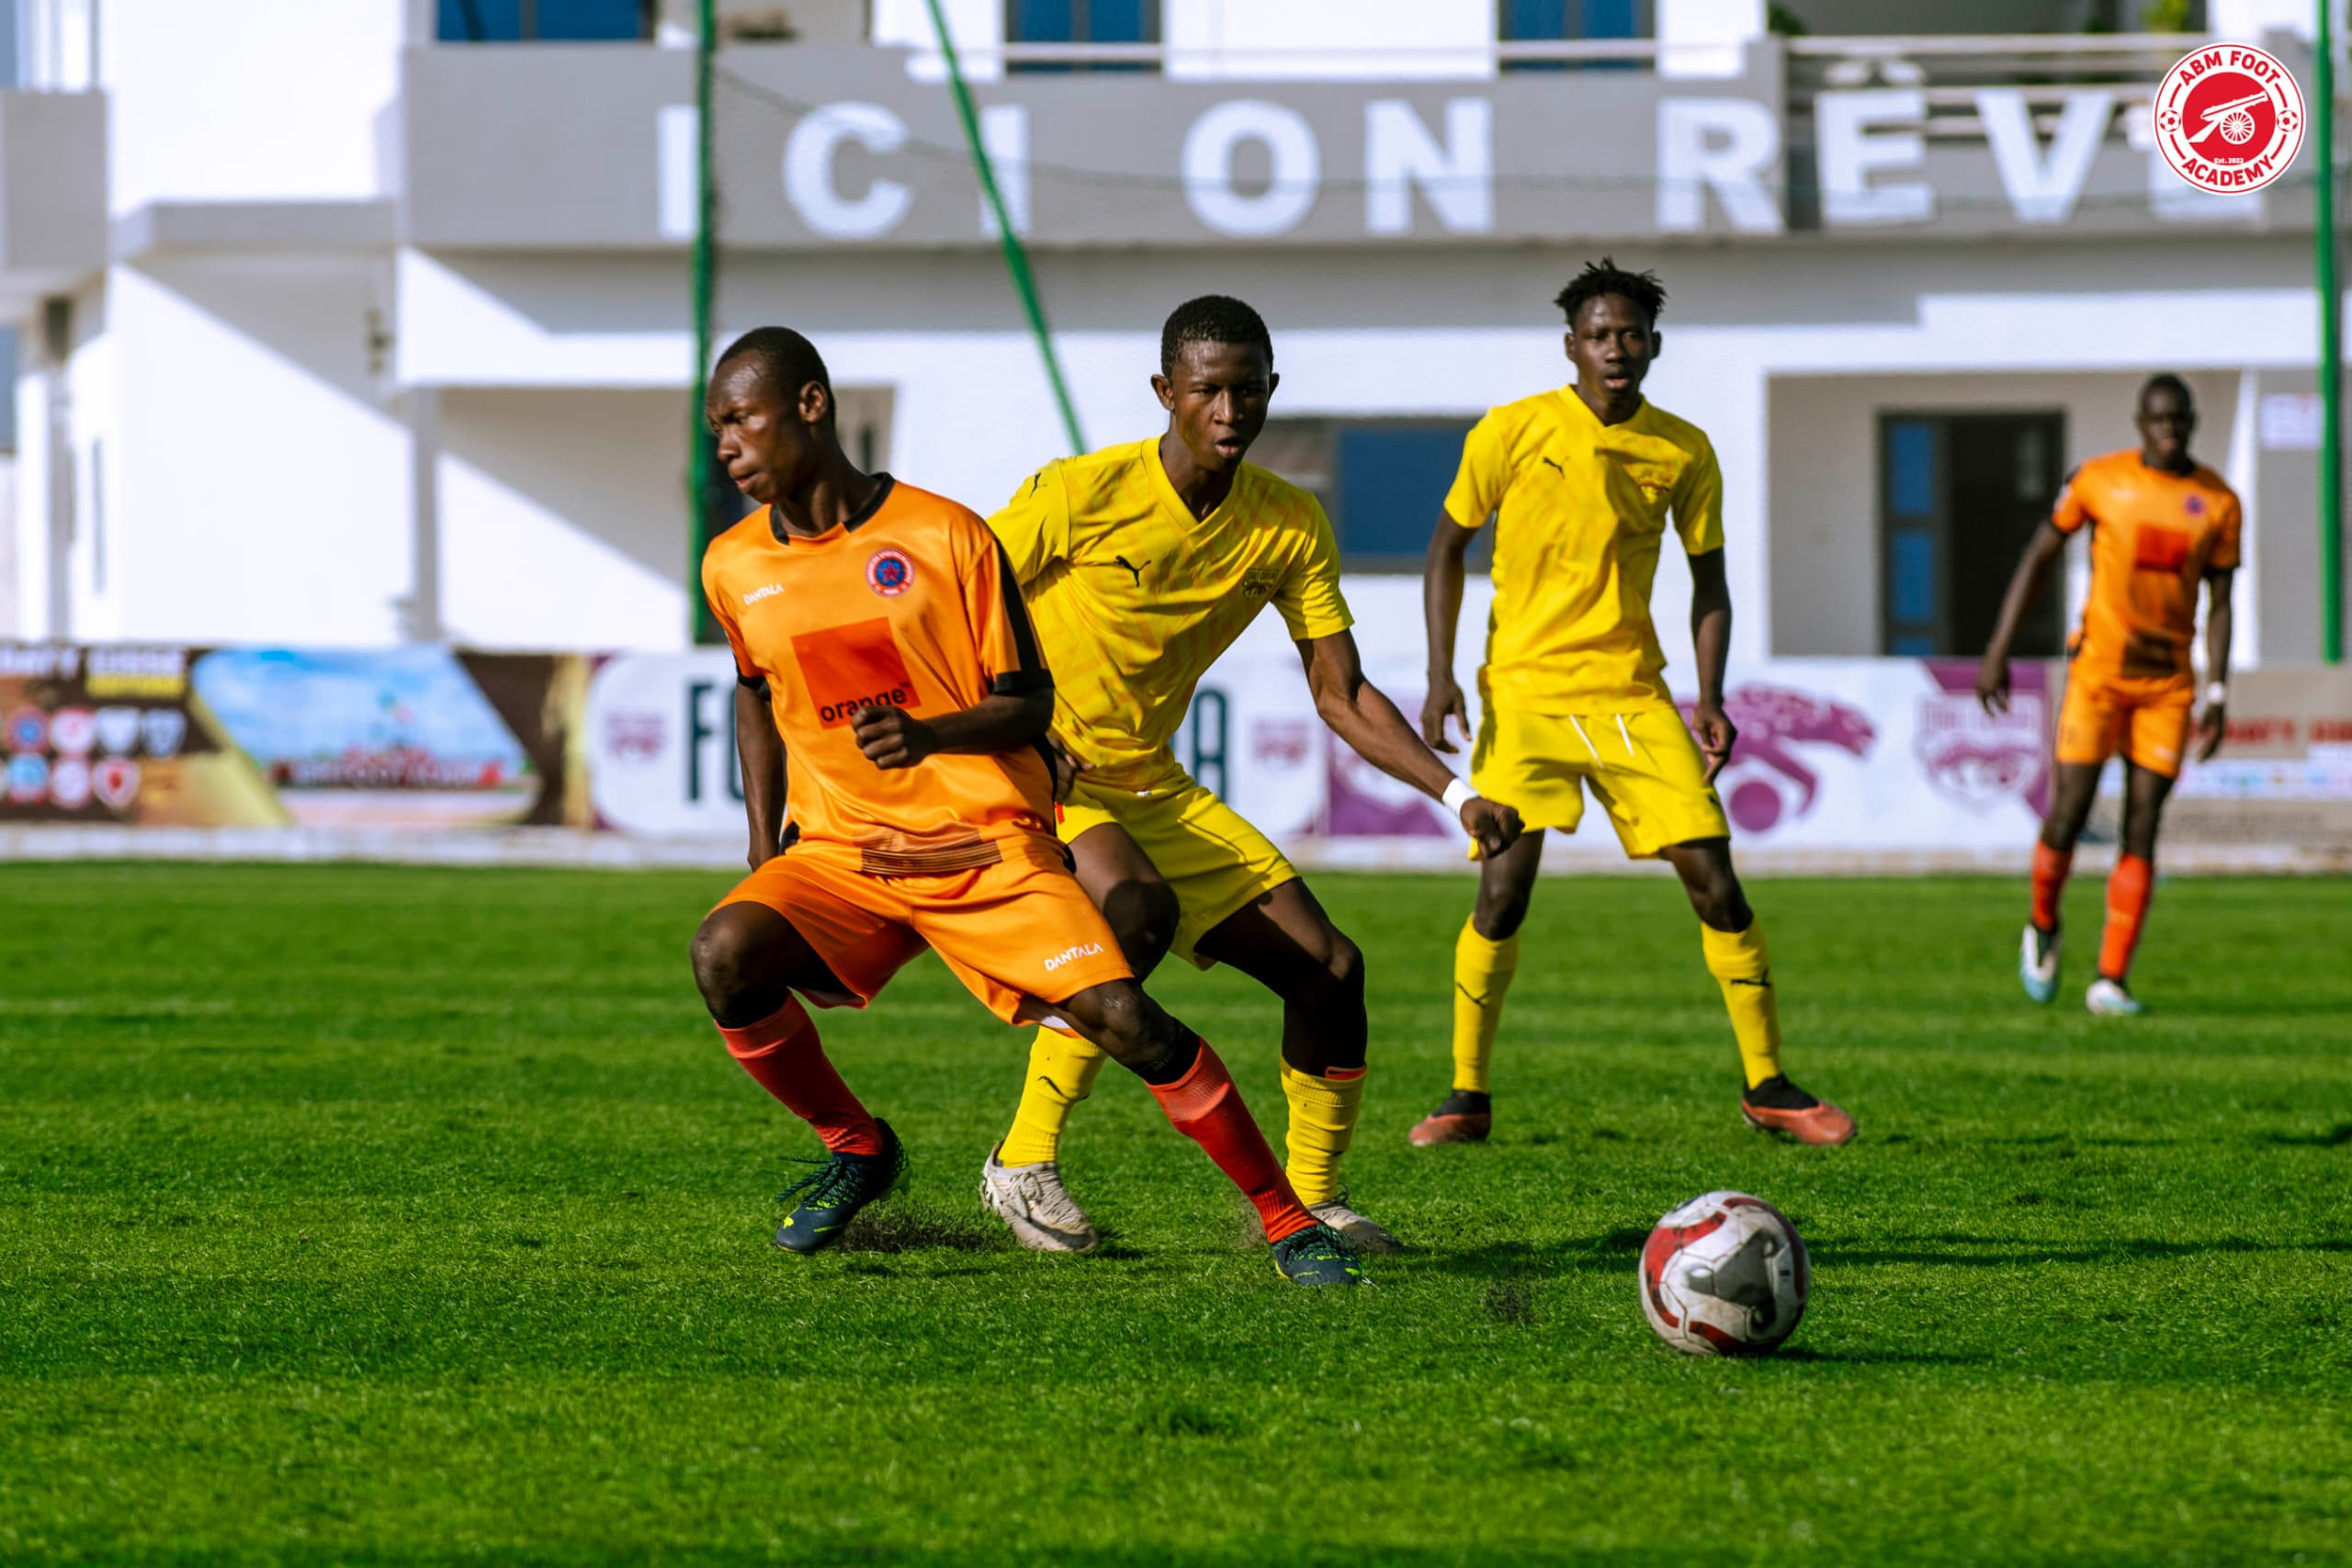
pixel 1072 954
pixel 1554 466
pixel 756 594
pixel 1129 567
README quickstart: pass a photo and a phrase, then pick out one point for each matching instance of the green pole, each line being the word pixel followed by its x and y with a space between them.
pixel 1016 257
pixel 699 463
pixel 2331 356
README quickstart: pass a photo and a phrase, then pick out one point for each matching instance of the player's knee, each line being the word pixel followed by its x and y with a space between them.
pixel 1338 973
pixel 1719 901
pixel 723 954
pixel 1500 913
pixel 1143 916
pixel 1117 1017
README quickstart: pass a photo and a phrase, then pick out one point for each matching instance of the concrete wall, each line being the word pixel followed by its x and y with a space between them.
pixel 261 484
pixel 563 518
pixel 1824 481
pixel 262 99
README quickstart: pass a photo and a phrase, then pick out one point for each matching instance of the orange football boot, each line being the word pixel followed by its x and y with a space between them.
pixel 1463 1127
pixel 1820 1122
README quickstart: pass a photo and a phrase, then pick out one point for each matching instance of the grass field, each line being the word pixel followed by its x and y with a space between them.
pixel 404 1216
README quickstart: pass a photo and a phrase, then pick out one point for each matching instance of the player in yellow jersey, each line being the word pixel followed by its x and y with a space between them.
pixel 1583 479
pixel 1141 564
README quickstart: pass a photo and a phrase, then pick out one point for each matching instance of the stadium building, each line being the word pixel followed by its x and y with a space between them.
pixel 364 323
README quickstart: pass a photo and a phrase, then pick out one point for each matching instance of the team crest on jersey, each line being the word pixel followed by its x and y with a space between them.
pixel 1258 581
pixel 890 572
pixel 2194 505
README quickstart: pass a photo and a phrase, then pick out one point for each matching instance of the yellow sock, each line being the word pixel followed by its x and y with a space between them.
pixel 1061 1073
pixel 1322 1119
pixel 1742 966
pixel 1482 972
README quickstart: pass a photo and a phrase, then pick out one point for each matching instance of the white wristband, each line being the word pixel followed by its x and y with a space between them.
pixel 1458 794
pixel 2217 694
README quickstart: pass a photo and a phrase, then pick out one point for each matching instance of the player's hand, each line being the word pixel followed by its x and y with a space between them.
pixel 1717 735
pixel 2212 726
pixel 1065 769
pixel 1445 701
pixel 1993 684
pixel 1492 826
pixel 893 738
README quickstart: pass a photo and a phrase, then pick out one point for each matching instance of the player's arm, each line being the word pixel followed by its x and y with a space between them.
pixel 1362 715
pixel 759 751
pixel 1441 577
pixel 1477 489
pixel 2213 723
pixel 1019 706
pixel 2041 553
pixel 1711 650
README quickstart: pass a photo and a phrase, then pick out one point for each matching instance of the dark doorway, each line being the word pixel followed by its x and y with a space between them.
pixel 1959 495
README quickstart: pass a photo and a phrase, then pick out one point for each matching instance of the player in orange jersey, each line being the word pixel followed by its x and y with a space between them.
pixel 881 643
pixel 2160 523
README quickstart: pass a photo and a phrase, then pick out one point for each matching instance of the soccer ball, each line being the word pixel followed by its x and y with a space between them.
pixel 1725 1275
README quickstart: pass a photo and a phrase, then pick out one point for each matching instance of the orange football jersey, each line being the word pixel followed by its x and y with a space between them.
pixel 2154 537
pixel 909 605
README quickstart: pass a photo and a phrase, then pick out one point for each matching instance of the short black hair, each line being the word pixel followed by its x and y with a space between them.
pixel 2166 381
pixel 787 360
pixel 1605 277
pixel 1212 318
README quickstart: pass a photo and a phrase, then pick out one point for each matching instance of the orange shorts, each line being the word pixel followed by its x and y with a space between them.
pixel 2146 720
pixel 1020 934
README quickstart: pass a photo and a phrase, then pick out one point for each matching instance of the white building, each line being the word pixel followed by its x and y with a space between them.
pixel 340 329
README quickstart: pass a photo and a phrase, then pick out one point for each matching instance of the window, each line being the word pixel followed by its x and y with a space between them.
pixel 1535 21
pixel 1383 481
pixel 1960 494
pixel 544 21
pixel 1081 21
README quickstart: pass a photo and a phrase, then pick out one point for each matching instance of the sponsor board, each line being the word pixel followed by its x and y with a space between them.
pixel 660 732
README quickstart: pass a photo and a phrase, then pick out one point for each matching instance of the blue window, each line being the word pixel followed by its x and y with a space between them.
pixel 517 21
pixel 1911 468
pixel 1913 596
pixel 1539 20
pixel 1391 481
pixel 1081 21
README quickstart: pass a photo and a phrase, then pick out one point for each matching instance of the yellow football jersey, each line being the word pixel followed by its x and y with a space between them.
pixel 1582 510
pixel 1133 597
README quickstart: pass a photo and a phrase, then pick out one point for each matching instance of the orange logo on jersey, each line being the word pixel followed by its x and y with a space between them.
pixel 2159 549
pixel 852 668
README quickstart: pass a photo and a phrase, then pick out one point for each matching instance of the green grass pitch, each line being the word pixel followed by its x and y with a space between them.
pixel 408 1216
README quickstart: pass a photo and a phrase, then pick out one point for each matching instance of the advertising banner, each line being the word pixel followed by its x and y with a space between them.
pixel 419 737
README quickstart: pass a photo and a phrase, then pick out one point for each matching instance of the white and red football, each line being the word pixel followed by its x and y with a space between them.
pixel 1725 1275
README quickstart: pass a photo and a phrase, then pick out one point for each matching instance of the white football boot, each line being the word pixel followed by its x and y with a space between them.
pixel 1036 1207
pixel 1369 1235
pixel 2038 965
pixel 2108 1000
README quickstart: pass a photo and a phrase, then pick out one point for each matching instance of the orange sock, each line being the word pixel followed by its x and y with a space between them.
pixel 2129 886
pixel 2050 868
pixel 782 1053
pixel 1206 1107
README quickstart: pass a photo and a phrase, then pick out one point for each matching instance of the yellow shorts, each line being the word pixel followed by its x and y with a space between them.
pixel 1644 765
pixel 1211 857
pixel 2147 720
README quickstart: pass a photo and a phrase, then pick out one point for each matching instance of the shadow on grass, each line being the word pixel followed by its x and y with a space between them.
pixel 1878 1358
pixel 905 1227
pixel 1506 1261
pixel 2335 1137
pixel 2019 1252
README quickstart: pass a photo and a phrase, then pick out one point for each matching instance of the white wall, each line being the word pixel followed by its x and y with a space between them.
pixel 263 483
pixel 259 99
pixel 1294 39
pixel 563 518
pixel 1824 481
